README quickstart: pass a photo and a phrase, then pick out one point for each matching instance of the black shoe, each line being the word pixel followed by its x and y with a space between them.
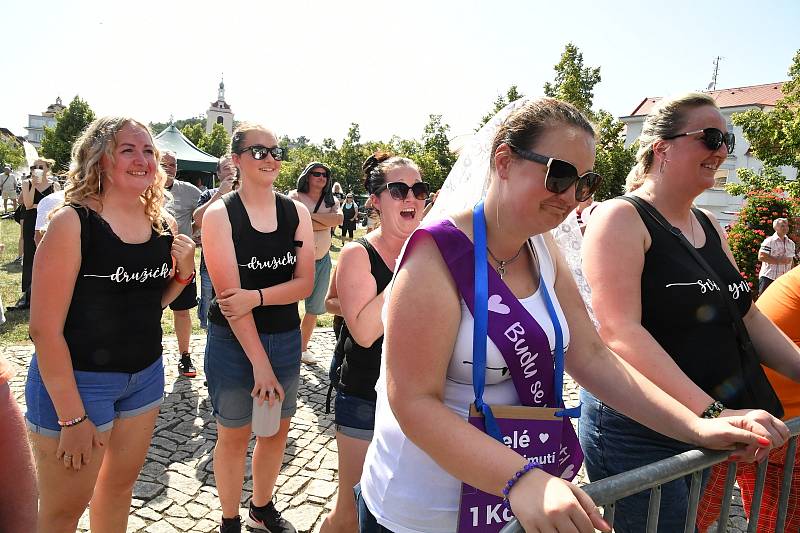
pixel 268 519
pixel 231 525
pixel 185 367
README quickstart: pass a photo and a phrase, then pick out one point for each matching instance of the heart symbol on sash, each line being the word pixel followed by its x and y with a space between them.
pixel 496 305
pixel 568 472
pixel 543 437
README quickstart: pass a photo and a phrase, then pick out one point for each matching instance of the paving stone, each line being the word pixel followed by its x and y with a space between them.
pixel 303 517
pixel 321 489
pixel 183 524
pixel 146 490
pixel 160 503
pixel 135 524
pixel 148 513
pixel 162 526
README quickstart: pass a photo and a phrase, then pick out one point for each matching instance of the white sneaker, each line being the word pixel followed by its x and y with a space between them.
pixel 308 358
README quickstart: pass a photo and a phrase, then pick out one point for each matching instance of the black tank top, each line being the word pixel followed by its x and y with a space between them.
pixel 37 196
pixel 685 313
pixel 114 319
pixel 265 260
pixel 348 212
pixel 362 365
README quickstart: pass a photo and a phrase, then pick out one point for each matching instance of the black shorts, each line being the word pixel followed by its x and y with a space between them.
pixel 187 299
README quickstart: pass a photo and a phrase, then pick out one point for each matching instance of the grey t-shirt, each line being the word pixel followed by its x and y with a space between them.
pixel 183 204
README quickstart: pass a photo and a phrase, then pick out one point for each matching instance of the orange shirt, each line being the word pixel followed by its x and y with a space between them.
pixel 781 304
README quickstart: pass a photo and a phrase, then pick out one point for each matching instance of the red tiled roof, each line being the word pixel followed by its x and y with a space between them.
pixel 766 94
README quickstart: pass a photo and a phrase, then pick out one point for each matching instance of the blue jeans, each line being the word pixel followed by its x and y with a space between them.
pixel 366 522
pixel 612 444
pixel 205 298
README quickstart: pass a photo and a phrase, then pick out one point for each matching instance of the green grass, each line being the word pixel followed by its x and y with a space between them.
pixel 15 330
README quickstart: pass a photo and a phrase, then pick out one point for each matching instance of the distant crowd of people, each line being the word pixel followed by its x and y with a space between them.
pixel 452 335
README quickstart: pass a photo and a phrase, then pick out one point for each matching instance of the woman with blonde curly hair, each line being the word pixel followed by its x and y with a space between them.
pixel 108 264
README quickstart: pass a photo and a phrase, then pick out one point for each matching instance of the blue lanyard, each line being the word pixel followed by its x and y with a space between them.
pixel 480 330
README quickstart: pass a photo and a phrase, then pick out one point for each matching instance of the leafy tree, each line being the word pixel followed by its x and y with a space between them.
pixel 70 123
pixel 613 161
pixel 194 132
pixel 574 83
pixel 351 156
pixel 767 179
pixel 511 95
pixel 774 135
pixel 436 159
pixel 217 142
pixel 11 152
pixel 158 127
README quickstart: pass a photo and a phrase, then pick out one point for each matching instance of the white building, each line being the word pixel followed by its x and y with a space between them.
pixel 723 205
pixel 220 112
pixel 37 123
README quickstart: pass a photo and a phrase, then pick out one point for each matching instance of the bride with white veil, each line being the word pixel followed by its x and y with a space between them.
pixel 467 184
pixel 461 351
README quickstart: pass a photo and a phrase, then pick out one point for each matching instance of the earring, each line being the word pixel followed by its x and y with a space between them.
pixel 663 163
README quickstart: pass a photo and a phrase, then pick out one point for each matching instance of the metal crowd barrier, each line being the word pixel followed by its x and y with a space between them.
pixel 606 492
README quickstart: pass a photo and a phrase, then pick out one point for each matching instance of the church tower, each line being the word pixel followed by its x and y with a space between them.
pixel 220 112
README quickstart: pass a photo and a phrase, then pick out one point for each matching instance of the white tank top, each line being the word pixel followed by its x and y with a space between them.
pixel 403 487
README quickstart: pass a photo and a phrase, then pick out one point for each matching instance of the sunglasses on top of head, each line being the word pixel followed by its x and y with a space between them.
pixel 260 152
pixel 712 138
pixel 399 190
pixel 561 175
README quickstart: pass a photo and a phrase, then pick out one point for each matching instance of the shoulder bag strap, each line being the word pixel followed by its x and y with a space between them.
pixel 736 316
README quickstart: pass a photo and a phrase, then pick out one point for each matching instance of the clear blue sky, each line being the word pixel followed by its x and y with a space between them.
pixel 311 68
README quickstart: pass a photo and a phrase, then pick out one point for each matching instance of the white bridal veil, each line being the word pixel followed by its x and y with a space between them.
pixel 469 179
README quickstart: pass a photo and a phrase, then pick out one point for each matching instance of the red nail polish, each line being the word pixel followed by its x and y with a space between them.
pixel 763 441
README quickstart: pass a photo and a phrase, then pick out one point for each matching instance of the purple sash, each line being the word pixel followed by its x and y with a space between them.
pixel 518 336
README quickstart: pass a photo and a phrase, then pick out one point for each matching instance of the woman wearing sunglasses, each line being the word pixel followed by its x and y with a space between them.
pixel 363 271
pixel 259 251
pixel 531 164
pixel 33 190
pixel 669 316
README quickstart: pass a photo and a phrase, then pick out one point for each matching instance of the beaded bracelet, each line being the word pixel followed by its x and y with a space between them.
pixel 530 465
pixel 73 421
pixel 713 410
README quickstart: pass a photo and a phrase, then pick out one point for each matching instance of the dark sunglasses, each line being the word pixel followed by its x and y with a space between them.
pixel 399 190
pixel 318 174
pixel 561 175
pixel 37 168
pixel 260 152
pixel 712 138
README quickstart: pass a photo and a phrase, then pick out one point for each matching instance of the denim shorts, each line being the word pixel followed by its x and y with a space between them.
pixel 354 416
pixel 315 304
pixel 613 443
pixel 230 374
pixel 105 396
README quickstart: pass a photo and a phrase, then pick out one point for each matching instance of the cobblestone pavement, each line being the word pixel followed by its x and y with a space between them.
pixel 176 493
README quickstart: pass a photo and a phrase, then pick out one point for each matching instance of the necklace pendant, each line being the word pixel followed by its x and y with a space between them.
pixel 502 269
